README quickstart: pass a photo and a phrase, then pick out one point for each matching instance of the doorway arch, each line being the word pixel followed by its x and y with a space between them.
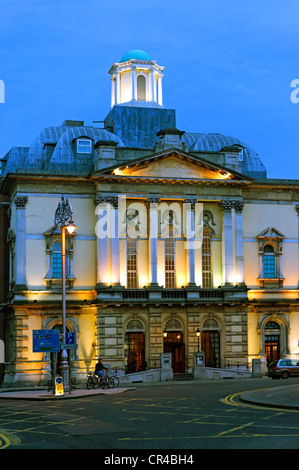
pixel 272 341
pixel 210 342
pixel 174 343
pixel 134 346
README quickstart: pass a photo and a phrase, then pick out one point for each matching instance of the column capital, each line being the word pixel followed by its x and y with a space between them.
pixel 226 205
pixel 21 201
pixel 113 200
pixel 238 205
pixel 191 203
pixel 152 200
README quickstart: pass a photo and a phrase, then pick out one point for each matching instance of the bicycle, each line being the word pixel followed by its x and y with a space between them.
pixel 103 381
pixel 115 381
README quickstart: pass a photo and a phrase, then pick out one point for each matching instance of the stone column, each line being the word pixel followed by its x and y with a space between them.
pixel 134 97
pixel 20 242
pixel 117 90
pixel 227 243
pixel 152 84
pixel 103 245
pixel 108 266
pixel 153 239
pixel 240 275
pixel 189 205
pixel 114 242
pixel 160 90
pixel 112 91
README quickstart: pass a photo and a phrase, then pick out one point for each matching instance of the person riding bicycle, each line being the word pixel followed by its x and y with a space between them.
pixel 100 368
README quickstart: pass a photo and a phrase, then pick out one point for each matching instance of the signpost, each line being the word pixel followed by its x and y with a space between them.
pixel 69 341
pixel 49 341
pixel 46 341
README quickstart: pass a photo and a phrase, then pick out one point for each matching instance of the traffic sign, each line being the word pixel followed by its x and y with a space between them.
pixel 69 346
pixel 69 337
pixel 59 386
pixel 45 341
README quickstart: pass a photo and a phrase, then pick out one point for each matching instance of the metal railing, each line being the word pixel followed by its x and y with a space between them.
pixel 236 365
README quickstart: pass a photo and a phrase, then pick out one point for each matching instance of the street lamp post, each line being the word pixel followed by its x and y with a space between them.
pixel 64 219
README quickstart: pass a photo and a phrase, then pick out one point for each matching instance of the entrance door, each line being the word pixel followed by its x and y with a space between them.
pixel 210 343
pixel 134 352
pixel 272 348
pixel 174 344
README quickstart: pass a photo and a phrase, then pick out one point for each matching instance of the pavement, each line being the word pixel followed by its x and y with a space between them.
pixel 285 396
pixel 43 394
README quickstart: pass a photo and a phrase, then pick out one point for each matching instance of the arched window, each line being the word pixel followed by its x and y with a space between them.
pixel 53 276
pixel 269 262
pixel 270 252
pixel 141 88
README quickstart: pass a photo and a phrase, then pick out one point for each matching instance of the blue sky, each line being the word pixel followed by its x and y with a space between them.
pixel 228 64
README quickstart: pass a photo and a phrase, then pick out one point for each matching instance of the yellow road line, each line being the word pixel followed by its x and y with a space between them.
pixel 4 441
pixel 230 400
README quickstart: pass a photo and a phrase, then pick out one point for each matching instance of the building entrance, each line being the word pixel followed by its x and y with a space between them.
pixel 210 343
pixel 134 352
pixel 173 343
pixel 272 348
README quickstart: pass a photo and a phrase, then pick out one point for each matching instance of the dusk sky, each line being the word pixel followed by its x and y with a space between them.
pixel 229 65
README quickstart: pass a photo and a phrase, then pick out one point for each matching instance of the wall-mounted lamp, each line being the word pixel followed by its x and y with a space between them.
pixel 198 336
pixel 165 333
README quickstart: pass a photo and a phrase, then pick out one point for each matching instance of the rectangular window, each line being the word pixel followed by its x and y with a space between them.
pixel 170 261
pixel 206 261
pixel 269 266
pixel 56 265
pixel 132 278
pixel 83 146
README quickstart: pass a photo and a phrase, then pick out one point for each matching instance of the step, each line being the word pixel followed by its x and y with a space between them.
pixel 182 376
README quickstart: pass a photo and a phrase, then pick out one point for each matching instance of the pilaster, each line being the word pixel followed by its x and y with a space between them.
pixel 20 243
pixel 227 242
pixel 153 239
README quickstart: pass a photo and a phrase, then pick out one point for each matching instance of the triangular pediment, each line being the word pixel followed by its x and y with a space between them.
pixel 270 232
pixel 174 163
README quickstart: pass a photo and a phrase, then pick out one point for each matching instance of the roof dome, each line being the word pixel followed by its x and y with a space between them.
pixel 137 54
pixel 213 142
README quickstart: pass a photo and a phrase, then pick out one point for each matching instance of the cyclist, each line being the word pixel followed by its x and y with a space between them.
pixel 100 368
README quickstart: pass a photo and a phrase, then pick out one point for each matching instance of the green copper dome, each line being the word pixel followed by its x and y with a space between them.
pixel 137 54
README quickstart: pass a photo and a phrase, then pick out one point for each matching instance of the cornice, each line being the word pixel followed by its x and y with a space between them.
pixel 163 180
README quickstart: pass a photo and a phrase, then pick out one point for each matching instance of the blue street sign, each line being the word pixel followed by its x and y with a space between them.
pixel 70 337
pixel 45 340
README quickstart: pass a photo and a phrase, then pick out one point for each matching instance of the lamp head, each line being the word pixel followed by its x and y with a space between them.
pixel 71 227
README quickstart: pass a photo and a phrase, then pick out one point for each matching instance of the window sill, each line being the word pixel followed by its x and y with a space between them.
pixel 268 283
pixel 57 283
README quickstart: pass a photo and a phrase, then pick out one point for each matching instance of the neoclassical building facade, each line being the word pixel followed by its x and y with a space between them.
pixel 176 232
